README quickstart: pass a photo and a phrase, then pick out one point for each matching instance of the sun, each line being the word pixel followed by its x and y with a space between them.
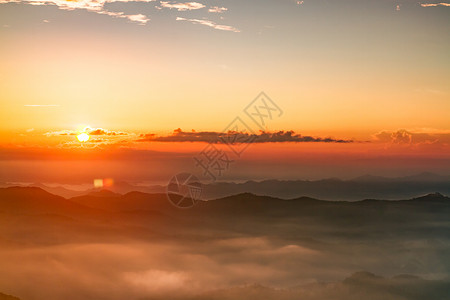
pixel 83 137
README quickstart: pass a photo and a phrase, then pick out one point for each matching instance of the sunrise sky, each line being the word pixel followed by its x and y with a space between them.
pixel 363 85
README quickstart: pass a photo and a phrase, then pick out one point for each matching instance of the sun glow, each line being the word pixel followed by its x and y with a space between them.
pixel 83 137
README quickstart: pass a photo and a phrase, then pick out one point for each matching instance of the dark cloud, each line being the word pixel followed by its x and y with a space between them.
pixel 234 137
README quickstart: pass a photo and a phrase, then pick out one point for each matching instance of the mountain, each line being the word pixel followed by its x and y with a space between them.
pixel 59 190
pixel 425 177
pixel 103 193
pixel 119 187
pixel 360 285
pixel 138 246
pixel 131 201
pixel 432 206
pixel 136 209
pixel 433 197
pixel 371 178
pixel 7 297
pixel 36 200
pixel 123 187
pixel 421 177
pixel 363 187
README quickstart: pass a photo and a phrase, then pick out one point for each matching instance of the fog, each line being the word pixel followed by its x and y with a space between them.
pixel 210 252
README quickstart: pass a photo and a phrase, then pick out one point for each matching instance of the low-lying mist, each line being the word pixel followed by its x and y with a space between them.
pixel 243 247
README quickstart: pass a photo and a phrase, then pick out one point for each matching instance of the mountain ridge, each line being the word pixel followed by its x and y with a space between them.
pixel 362 187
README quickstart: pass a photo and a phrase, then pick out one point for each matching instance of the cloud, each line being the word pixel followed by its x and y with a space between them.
pixel 101 131
pixel 217 9
pixel 139 18
pixel 434 4
pixel 182 6
pixel 210 24
pixel 97 6
pixel 414 137
pixel 88 130
pixel 235 137
pixel 60 132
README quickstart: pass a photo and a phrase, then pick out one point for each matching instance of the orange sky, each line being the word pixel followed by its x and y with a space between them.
pixel 365 71
pixel 52 157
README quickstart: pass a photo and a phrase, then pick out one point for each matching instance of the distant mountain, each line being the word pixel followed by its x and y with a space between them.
pixel 120 187
pixel 123 187
pixel 330 211
pixel 59 190
pixel 371 178
pixel 359 188
pixel 421 177
pixel 237 211
pixel 246 206
pixel 254 205
pixel 363 187
pixel 425 177
pixel 36 200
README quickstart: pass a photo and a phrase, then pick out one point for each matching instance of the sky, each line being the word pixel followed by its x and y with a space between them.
pixel 358 86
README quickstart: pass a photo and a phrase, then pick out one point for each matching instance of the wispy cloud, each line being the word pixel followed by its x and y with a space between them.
pixel 139 18
pixel 97 6
pixel 182 6
pixel 217 9
pixel 60 132
pixel 434 4
pixel 210 24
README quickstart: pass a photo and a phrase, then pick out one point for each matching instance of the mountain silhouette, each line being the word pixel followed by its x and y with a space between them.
pixel 36 200
pixel 362 187
pixel 131 201
pixel 7 297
